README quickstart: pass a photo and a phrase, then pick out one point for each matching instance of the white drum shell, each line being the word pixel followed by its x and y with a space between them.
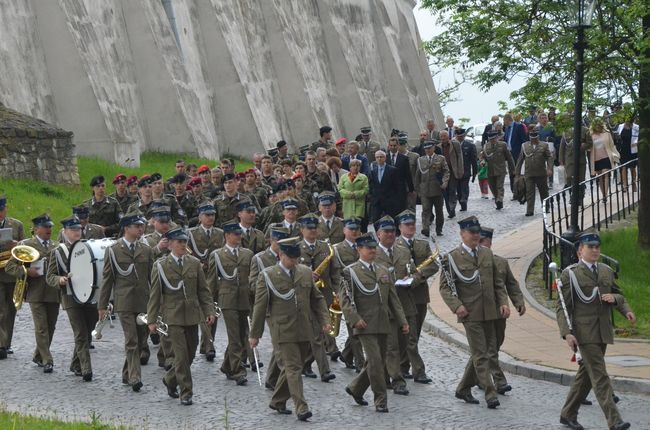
pixel 85 264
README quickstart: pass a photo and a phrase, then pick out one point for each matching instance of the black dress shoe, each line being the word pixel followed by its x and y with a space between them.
pixel 10 351
pixel 76 371
pixel 529 214
pixel 620 426
pixel 499 205
pixel 402 390
pixel 504 389
pixel 327 376
pixel 210 355
pixel 586 402
pixel 572 424
pixel 616 398
pixel 493 403
pixel 305 416
pixel 309 373
pixel 246 365
pixel 335 356
pixel 155 338
pixel 381 409
pixel 91 346
pixel 186 402
pixel 144 360
pixel 254 367
pixel 48 368
pixel 161 364
pixel 168 366
pixel 423 379
pixel 38 363
pixel 241 381
pixel 3 353
pixel 360 400
pixel 452 215
pixel 438 233
pixel 425 232
pixel 407 375
pixel 136 387
pixel 87 377
pixel 468 398
pixel 125 381
pixel 281 410
pixel 269 386
pixel 171 391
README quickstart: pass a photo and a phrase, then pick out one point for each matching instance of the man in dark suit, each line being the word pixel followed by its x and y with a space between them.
pixel 515 135
pixel 353 154
pixel 384 189
pixel 401 163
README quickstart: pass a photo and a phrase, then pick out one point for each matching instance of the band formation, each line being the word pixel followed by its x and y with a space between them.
pixel 285 248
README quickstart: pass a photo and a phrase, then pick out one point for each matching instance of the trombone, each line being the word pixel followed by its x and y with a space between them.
pixel 161 327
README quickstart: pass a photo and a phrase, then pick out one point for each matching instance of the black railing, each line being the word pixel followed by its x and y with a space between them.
pixel 600 208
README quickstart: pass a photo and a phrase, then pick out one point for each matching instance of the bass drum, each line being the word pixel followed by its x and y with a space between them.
pixel 85 264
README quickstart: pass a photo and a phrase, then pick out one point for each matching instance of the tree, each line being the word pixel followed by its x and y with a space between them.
pixel 498 39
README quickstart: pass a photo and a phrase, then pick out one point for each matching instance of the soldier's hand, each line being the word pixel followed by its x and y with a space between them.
pixel 210 319
pixel 631 317
pixel 32 272
pixel 461 312
pixel 102 313
pixel 361 324
pixel 63 281
pixel 152 328
pixel 521 309
pixel 608 298
pixel 315 276
pixel 163 244
pixel 327 328
pixel 572 342
pixel 405 329
pixel 253 342
pixel 505 311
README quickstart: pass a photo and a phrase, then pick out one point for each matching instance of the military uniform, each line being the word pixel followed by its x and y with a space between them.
pixel 431 177
pixel 567 154
pixel 178 214
pixel 321 180
pixel 252 239
pixel 333 233
pixel 88 231
pixel 227 207
pixel 496 155
pixel 7 283
pixel 190 204
pixel 294 230
pixel 413 167
pixel 124 201
pixel 142 207
pixel 538 162
pixel 106 213
pixel 368 149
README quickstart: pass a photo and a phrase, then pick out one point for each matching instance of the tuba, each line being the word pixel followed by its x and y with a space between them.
pixel 322 266
pixel 335 316
pixel 24 254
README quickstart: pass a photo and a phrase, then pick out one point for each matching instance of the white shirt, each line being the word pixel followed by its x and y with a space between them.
pixel 386 250
pixel 288 225
pixel 206 230
pixel 469 250
pixel 369 266
pixel 287 271
pixel 176 259
pixel 231 249
pixel 351 244
pixel 127 243
pixel 590 266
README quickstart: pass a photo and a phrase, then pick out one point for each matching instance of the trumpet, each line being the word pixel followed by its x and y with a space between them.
pixel 99 326
pixel 24 254
pixel 161 327
pixel 335 316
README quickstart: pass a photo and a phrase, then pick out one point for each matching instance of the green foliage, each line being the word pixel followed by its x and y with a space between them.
pixel 14 421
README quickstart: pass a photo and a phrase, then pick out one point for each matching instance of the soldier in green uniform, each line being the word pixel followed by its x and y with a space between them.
pixel 104 210
pixel 132 187
pixel 330 227
pixel 121 194
pixel 538 167
pixel 496 155
pixel 287 294
pixel 322 181
pixel 566 156
pixel 7 282
pixel 368 302
pixel 43 300
pixel 180 295
pixel 367 146
pixel 145 197
pixel 259 192
pixel 590 293
pixel 158 193
pixel 403 148
pixel 325 140
pixel 88 230
pixel 207 187
pixel 477 296
pixel 419 292
pixel 290 215
pixel 226 203
pixel 127 275
pixel 228 272
pixel 185 199
pixel 251 238
pixel 431 179
pixel 283 153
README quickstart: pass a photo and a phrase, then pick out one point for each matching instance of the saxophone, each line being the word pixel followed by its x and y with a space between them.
pixel 322 266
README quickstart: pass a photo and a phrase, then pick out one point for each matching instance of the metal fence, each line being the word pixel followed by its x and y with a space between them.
pixel 599 209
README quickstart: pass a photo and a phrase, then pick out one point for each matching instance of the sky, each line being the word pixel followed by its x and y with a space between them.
pixel 475 104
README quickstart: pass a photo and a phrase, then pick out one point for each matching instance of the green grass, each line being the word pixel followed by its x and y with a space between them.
pixel 29 198
pixel 15 421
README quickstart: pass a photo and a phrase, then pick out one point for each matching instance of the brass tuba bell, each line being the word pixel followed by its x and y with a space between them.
pixel 335 316
pixel 24 254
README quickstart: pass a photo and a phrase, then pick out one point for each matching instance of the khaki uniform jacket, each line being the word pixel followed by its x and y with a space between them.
pixel 332 235
pixel 345 254
pixel 254 240
pixel 294 231
pixel 233 293
pixel 17 234
pixel 37 290
pixel 368 149
pixel 54 273
pixel 124 201
pixel 421 251
pixel 130 293
pixel 106 213
pixel 152 240
pixel 179 306
pixel 503 271
pixel 498 158
pixel 592 323
pixel 312 259
pixel 413 161
pixel 201 245
pixel 90 231
pixel 259 262
pixel 427 182
pixel 482 297
pixel 375 309
pixel 537 159
pixel 566 154
pixel 290 320
pixel 398 267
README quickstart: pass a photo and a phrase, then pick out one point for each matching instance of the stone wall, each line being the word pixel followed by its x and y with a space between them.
pixel 33 149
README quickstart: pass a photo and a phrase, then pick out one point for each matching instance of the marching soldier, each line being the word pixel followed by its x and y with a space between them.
pixel 431 179
pixel 495 153
pixel 121 194
pixel 251 238
pixel 590 293
pixel 7 282
pixel 397 260
pixel 538 167
pixel 368 298
pixel 157 192
pixel 82 316
pixel 43 300
pixel 477 296
pixel 127 275
pixel 290 214
pixel 88 230
pixel 103 210
pixel 228 275
pixel 180 295
pixel 287 294
pixel 418 290
pixel 330 227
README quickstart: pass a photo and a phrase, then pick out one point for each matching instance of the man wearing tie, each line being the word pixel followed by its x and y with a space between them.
pixel 353 154
pixel 330 227
pixel 450 127
pixel 384 186
pixel 401 163
pixel 515 135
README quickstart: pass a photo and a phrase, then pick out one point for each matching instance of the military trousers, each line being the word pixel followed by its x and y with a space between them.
pixel 352 351
pixel 592 373
pixel 429 205
pixel 463 191
pixel 393 368
pixel 165 352
pixel 290 357
pixel 416 329
pixel 273 370
pixel 237 331
pixel 498 376
pixel 409 352
pixel 317 350
pixel 184 340
pixel 532 182
pixel 481 338
pixel 451 194
pixel 7 313
pixel 373 373
pixel 134 336
pixel 44 315
pixel 80 318
pixel 496 186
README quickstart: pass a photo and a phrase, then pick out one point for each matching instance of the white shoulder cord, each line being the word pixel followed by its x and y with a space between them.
pixel 365 291
pixel 117 267
pixel 573 283
pixel 460 276
pixel 200 255
pixel 221 270
pixel 163 278
pixel 291 294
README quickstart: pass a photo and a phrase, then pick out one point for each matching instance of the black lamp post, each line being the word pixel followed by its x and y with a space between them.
pixel 582 11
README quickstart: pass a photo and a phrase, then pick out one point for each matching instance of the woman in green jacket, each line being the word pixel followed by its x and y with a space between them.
pixel 353 189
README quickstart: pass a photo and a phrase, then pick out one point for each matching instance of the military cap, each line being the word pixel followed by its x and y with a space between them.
pixel 206 208
pixel 133 217
pixel 240 176
pixel 402 138
pixel 589 238
pixel 326 198
pixel 42 220
pixel 156 177
pixel 289 204
pixel 81 211
pixel 162 214
pixel 385 223
pixel 227 177
pixel 297 176
pixel 96 180
pixel 428 144
pixel 144 181
pixel 131 180
pixel 308 221
pixel 352 223
pixel 204 168
pixel 280 144
pixel 246 205
pixel 158 203
pixel 406 217
pixel 303 148
pixel 231 226
pixel 365 130
pixel 251 172
pixel 325 129
pixel 367 240
pixel 487 232
pixel 71 222
pixel 194 181
pixel 279 233
pixel 3 202
pixel 493 133
pixel 533 134
pixel 272 152
pixel 119 177
pixel 280 186
pixel 177 233
pixel 290 246
pixel 470 223
pixel 178 178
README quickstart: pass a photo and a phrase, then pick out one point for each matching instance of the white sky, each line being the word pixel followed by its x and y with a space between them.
pixel 475 104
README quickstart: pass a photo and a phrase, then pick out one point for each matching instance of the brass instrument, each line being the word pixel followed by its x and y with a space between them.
pixel 4 258
pixel 335 316
pixel 99 326
pixel 322 266
pixel 161 327
pixel 24 254
pixel 444 270
pixel 430 259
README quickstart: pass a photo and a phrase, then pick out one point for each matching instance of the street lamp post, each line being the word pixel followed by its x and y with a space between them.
pixel 583 11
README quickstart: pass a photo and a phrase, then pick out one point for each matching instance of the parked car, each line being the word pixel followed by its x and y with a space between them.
pixel 475 132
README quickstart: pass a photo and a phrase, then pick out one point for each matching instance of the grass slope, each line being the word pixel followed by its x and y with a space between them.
pixel 14 421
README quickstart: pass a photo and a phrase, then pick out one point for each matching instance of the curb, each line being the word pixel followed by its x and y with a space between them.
pixel 437 327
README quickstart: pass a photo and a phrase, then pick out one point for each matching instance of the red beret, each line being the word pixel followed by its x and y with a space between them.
pixel 341 141
pixel 204 168
pixel 131 180
pixel 194 182
pixel 119 177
